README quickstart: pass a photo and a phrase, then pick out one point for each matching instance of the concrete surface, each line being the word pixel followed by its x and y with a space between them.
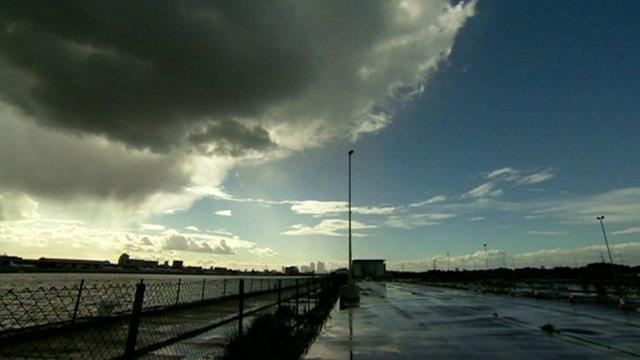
pixel 405 321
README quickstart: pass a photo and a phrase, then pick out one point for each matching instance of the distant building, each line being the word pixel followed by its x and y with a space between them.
pixel 312 267
pixel 177 264
pixel 122 260
pixel 219 270
pixel 320 268
pixel 71 264
pixel 344 271
pixel 369 268
pixel 291 270
pixel 6 260
pixel 125 261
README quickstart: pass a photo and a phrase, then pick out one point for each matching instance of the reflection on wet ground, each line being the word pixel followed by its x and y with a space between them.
pixel 406 321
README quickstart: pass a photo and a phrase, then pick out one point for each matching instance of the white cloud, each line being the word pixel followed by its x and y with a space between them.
pixel 328 227
pixel 181 242
pixel 263 251
pixel 17 206
pixel 545 232
pixel 226 212
pixel 435 216
pixel 433 200
pixel 631 230
pixel 151 227
pixel 191 228
pixel 211 191
pixel 618 206
pixel 417 220
pixel 173 211
pixel 476 218
pixel 484 190
pixel 71 238
pixel 507 172
pixel 536 178
pixel 543 257
pixel 316 207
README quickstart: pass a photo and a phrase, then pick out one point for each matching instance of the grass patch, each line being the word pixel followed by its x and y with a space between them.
pixel 281 334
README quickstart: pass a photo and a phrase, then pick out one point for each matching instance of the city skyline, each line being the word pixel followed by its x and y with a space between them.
pixel 473 122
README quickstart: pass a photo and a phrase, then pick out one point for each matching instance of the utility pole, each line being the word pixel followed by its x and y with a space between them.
pixel 448 263
pixel 349 294
pixel 486 259
pixel 350 261
pixel 606 242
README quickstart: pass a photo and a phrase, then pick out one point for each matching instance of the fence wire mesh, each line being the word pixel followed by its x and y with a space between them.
pixel 105 321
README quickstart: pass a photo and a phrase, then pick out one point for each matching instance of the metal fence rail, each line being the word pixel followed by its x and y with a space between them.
pixel 128 320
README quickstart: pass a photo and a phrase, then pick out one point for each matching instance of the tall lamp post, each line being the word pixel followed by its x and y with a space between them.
pixel 350 294
pixel 350 264
pixel 606 242
pixel 486 259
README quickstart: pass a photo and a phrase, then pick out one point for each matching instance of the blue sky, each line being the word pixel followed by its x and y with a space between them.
pixel 545 91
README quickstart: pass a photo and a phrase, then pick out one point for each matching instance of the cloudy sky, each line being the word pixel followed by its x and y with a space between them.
pixel 217 132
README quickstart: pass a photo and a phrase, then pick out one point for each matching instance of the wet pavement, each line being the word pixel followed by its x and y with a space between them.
pixel 406 321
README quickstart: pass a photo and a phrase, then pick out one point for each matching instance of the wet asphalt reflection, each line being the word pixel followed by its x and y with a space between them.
pixel 406 321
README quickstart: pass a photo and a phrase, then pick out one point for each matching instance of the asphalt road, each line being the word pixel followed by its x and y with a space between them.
pixel 405 321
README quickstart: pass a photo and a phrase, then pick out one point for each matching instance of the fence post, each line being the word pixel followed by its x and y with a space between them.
pixel 240 306
pixel 297 296
pixel 308 295
pixel 178 294
pixel 203 284
pixel 224 288
pixel 75 309
pixel 315 292
pixel 279 293
pixel 134 324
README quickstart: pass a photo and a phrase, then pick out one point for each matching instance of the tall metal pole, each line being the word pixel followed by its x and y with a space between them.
pixel 486 259
pixel 350 264
pixel 606 242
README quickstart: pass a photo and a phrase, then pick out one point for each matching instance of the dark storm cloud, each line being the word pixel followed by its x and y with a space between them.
pixel 54 165
pixel 117 99
pixel 233 137
pixel 147 72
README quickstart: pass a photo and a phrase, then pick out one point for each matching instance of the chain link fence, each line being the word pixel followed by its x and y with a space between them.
pixel 105 321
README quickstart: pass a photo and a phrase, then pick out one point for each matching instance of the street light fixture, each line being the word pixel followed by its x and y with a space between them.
pixel 606 242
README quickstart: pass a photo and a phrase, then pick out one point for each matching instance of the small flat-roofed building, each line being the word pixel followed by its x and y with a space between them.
pixel 369 268
pixel 53 263
pixel 127 262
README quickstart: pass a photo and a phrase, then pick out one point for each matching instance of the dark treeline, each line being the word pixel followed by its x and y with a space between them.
pixel 590 272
